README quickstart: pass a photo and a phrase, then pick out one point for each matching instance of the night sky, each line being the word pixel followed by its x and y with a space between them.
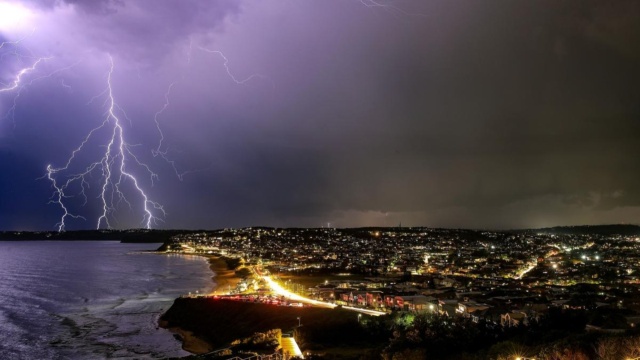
pixel 473 114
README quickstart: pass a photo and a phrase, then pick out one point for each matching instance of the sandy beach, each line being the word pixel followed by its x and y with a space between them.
pixel 225 280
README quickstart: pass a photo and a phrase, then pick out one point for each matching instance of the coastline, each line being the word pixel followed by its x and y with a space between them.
pixel 190 342
pixel 223 279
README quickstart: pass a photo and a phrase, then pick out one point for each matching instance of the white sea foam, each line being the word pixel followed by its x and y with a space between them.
pixel 91 300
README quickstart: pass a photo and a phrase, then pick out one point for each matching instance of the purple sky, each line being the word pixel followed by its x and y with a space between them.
pixel 474 114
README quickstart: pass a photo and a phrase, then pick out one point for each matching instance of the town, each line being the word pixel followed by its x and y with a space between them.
pixel 423 267
pixel 505 279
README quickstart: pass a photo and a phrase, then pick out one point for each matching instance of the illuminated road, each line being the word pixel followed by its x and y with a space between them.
pixel 526 270
pixel 282 291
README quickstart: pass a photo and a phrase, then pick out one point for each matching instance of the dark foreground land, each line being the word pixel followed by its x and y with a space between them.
pixel 340 334
pixel 220 322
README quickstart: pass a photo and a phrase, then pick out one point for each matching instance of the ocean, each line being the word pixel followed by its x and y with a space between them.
pixel 91 299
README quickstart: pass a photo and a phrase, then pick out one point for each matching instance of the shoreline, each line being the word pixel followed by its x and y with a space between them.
pixel 190 342
pixel 222 278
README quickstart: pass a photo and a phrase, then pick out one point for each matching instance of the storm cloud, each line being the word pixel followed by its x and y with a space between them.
pixel 468 114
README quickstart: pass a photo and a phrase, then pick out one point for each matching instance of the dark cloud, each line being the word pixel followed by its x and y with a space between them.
pixel 464 114
pixel 144 31
pixel 100 7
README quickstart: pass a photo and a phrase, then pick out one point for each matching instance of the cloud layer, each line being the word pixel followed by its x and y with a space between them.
pixel 433 113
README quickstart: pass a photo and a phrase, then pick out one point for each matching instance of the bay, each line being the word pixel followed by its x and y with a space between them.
pixel 91 299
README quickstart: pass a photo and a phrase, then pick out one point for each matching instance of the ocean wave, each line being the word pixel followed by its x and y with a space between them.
pixel 100 302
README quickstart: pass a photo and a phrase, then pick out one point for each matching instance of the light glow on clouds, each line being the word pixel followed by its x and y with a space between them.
pixel 14 17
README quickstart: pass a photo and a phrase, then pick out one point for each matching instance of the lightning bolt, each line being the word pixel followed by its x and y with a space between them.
pixel 226 66
pixel 22 72
pixel 189 51
pixel 18 78
pixel 389 7
pixel 114 164
pixel 113 167
pixel 66 86
pixel 19 84
pixel 159 151
pixel 372 3
pixel 164 152
pixel 21 78
pixel 16 42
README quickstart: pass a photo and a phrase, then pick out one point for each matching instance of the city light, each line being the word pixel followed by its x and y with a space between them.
pixel 276 288
pixel 361 294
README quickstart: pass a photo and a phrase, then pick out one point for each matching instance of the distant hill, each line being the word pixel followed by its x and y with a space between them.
pixel 590 229
pixel 163 236
pixel 125 236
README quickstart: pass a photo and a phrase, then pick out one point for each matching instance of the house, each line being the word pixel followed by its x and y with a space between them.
pixel 325 292
pixel 447 307
pixel 412 302
pixel 514 318
pixel 468 309
pixel 375 299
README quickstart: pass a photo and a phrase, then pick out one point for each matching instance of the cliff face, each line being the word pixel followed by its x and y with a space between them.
pixel 220 322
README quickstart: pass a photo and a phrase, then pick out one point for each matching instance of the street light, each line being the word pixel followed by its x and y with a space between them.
pixel 359 316
pixel 299 323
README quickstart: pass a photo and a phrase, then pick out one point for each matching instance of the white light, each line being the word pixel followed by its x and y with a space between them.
pixel 13 16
